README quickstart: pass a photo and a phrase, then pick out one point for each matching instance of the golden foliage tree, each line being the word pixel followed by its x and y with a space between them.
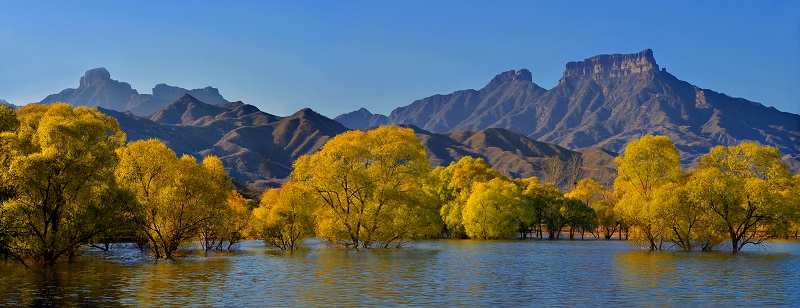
pixel 646 164
pixel 368 187
pixel 283 218
pixel 176 196
pixel 493 210
pixel 742 187
pixel 455 183
pixel 59 190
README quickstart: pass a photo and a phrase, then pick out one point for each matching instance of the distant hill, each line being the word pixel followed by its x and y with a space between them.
pixel 604 102
pixel 96 88
pixel 7 104
pixel 257 148
pixel 511 153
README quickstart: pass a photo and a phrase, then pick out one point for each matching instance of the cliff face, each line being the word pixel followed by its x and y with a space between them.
pixel 607 101
pixel 616 65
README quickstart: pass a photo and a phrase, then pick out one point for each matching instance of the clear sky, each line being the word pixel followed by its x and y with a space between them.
pixel 338 56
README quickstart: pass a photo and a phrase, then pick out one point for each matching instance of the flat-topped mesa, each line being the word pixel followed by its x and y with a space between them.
pixel 616 65
pixel 522 75
pixel 95 77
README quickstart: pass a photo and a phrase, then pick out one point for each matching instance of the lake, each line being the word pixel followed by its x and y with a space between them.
pixel 431 273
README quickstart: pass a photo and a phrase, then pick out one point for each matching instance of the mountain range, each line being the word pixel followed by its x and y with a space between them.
pixel 258 148
pixel 604 101
pixel 598 106
pixel 96 88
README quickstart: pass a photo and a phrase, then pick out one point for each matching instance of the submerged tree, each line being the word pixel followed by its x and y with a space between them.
pixel 742 185
pixel 455 184
pixel 58 186
pixel 594 196
pixel 367 186
pixel 644 166
pixel 176 196
pixel 493 210
pixel 283 218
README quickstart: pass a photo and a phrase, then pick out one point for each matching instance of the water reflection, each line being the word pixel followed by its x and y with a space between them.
pixel 680 278
pixel 435 273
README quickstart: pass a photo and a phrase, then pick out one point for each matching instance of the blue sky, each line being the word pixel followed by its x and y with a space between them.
pixel 337 56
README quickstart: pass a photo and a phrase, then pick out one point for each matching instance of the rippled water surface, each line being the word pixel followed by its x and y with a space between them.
pixel 434 273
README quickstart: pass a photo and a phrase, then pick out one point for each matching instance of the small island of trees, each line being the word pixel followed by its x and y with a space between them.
pixel 70 180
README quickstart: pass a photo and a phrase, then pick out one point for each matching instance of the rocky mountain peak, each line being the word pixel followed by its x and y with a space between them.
pixel 522 75
pixel 616 65
pixel 95 77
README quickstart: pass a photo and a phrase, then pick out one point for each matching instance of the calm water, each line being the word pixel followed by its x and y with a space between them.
pixel 435 273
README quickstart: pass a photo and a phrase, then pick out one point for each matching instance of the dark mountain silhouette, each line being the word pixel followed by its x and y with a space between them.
pixel 605 102
pixel 257 148
pixel 96 88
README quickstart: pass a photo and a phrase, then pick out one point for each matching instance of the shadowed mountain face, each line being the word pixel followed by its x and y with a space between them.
pixel 511 153
pixel 257 148
pixel 604 101
pixel 96 88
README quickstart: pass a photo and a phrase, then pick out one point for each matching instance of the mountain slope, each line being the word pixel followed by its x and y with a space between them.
pixel 606 101
pixel 7 104
pixel 96 88
pixel 511 153
pixel 257 148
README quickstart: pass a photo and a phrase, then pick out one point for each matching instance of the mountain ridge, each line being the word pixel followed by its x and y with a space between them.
pixel 96 88
pixel 603 101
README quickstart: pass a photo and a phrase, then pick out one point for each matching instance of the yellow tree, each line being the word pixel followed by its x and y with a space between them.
pixel 57 174
pixel 456 182
pixel 368 186
pixel 493 210
pixel 283 218
pixel 176 196
pixel 792 197
pixel 741 186
pixel 646 164
pixel 239 217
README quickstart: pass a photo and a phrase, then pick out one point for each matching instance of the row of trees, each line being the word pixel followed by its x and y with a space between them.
pixel 68 180
pixel 368 188
pixel 376 189
pixel 741 194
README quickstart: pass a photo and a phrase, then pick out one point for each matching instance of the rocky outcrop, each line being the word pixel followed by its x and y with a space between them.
pixel 616 65
pixel 96 88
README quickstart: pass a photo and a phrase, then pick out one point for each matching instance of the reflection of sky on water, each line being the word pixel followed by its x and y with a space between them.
pixel 446 272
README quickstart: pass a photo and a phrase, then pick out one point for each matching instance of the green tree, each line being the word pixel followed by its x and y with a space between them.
pixel 283 218
pixel 741 186
pixel 646 164
pixel 594 196
pixel 368 188
pixel 176 196
pixel 59 191
pixel 493 210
